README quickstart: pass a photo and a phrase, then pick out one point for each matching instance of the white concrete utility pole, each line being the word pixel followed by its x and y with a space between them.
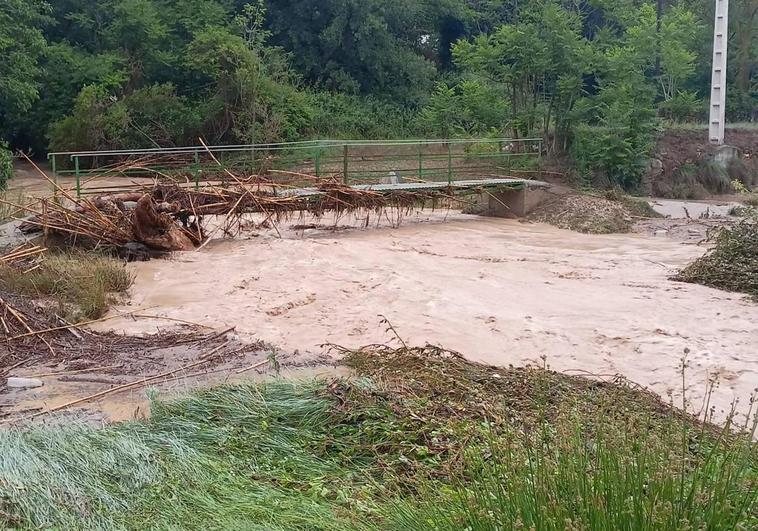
pixel 718 83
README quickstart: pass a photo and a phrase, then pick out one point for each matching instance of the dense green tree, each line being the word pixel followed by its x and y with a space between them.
pixel 470 107
pixel 541 60
pixel 367 46
pixel 745 54
pixel 65 69
pixel 21 46
pixel 162 72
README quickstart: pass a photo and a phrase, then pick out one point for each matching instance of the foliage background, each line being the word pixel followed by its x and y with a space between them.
pixel 591 77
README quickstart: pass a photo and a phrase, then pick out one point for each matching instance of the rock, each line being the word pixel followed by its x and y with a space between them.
pixel 655 167
pixel 725 155
pixel 653 173
pixel 24 383
pixel 134 252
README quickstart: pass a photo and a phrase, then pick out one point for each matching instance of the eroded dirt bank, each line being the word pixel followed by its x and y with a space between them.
pixel 499 291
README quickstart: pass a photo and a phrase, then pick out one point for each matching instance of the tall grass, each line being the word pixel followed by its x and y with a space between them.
pixel 82 283
pixel 616 477
pixel 229 458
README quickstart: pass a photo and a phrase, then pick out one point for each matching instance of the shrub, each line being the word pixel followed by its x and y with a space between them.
pixel 6 165
pixel 616 153
pixel 607 157
pixel 466 108
pixel 345 116
pixel 686 106
pixel 152 116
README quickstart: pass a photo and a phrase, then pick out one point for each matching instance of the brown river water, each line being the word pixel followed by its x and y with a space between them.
pixel 498 291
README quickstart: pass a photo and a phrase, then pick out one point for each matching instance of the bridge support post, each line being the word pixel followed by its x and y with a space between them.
pixel 513 203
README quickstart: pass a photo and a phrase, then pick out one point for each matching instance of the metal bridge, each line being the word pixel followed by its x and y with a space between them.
pixel 459 164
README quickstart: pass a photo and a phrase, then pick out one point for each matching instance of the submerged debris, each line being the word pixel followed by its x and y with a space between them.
pixel 26 256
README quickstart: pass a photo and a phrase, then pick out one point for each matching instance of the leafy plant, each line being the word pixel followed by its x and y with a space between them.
pixel 470 107
pixel 616 153
pixel 685 106
pixel 6 165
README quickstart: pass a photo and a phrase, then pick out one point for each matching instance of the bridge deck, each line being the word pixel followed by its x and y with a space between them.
pixel 471 185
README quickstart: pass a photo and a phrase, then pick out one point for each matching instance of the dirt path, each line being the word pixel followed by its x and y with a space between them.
pixel 499 291
pixel 27 181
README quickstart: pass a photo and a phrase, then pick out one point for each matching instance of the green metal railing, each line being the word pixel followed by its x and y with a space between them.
pixel 354 161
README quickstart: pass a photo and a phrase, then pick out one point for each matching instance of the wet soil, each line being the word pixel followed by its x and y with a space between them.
pixel 228 360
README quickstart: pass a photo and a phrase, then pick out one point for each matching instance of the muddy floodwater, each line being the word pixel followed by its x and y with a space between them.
pixel 498 291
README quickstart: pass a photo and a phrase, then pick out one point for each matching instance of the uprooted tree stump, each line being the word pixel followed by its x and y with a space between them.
pixel 158 230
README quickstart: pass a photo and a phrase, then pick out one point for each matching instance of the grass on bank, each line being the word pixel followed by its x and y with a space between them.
pixel 82 284
pixel 420 440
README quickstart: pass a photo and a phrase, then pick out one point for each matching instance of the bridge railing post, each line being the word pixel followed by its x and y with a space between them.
pixel 449 163
pixel 345 164
pixel 317 161
pixel 420 163
pixel 78 177
pixel 197 170
pixel 54 169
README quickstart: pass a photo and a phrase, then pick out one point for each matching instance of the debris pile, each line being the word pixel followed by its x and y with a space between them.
pixel 22 321
pixel 170 217
pixel 111 222
pixel 732 264
pixel 25 257
pixel 614 213
pixel 32 333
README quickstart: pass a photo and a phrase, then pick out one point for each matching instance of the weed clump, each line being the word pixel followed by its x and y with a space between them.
pixel 732 264
pixel 81 284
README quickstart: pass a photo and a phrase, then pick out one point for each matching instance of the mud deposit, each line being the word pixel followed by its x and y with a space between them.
pixel 499 291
